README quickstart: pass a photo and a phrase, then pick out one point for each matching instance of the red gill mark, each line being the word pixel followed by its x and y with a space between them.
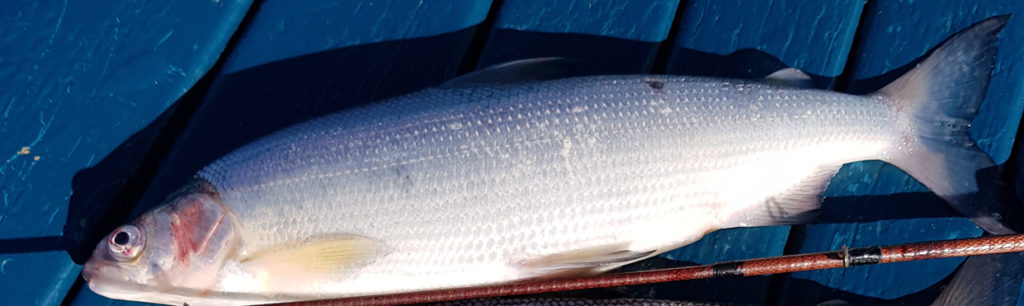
pixel 180 233
pixel 183 227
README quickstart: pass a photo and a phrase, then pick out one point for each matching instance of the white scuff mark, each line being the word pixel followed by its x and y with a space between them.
pixel 7 110
pixel 73 147
pixel 163 39
pixel 3 265
pixel 53 216
pixel 60 19
pixel 46 125
pixel 172 69
pixel 23 174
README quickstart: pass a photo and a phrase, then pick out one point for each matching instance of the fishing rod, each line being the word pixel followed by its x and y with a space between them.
pixel 843 258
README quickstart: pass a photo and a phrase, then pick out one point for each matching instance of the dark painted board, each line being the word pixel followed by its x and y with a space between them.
pixel 294 62
pixel 648 21
pixel 747 39
pixel 301 29
pixel 813 36
pixel 79 79
pixel 605 37
pixel 892 35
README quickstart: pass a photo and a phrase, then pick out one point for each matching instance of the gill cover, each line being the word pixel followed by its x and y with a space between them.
pixel 201 230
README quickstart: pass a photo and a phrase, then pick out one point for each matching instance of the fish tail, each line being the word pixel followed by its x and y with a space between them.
pixel 937 101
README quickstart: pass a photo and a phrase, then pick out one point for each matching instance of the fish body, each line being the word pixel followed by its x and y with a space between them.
pixel 480 184
pixel 481 193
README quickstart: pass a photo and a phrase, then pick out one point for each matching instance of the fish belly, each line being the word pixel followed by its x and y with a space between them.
pixel 470 186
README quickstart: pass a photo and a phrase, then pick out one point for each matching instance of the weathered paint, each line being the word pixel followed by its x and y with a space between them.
pixel 326 25
pixel 813 36
pixel 647 21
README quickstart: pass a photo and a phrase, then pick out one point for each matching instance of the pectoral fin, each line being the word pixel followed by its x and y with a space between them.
pixel 312 260
pixel 583 262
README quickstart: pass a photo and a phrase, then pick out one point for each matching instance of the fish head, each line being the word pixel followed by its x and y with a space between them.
pixel 176 250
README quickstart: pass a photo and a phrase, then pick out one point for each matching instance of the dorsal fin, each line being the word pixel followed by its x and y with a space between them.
pixel 526 70
pixel 790 77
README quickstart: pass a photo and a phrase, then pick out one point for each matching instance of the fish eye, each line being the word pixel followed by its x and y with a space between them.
pixel 126 242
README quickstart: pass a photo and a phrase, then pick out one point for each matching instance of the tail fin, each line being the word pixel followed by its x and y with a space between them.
pixel 937 100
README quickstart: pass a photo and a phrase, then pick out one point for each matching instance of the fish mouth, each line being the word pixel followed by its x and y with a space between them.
pixel 117 288
pixel 106 286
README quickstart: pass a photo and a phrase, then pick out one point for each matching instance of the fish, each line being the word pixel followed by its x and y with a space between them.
pixel 498 177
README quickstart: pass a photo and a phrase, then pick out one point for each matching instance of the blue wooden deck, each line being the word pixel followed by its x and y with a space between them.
pixel 106 109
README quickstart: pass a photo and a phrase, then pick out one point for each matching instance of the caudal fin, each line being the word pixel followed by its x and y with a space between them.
pixel 937 101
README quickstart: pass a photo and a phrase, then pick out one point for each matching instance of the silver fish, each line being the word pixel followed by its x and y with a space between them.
pixel 471 184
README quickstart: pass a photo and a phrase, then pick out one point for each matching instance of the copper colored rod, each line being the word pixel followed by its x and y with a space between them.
pixel 752 267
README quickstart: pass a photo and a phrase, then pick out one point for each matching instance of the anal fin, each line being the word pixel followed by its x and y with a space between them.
pixel 798 204
pixel 584 261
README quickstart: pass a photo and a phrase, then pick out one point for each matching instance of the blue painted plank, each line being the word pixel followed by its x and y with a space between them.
pixel 295 61
pixel 326 25
pixel 813 36
pixel 605 37
pixel 79 79
pixel 745 39
pixel 648 21
pixel 892 35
